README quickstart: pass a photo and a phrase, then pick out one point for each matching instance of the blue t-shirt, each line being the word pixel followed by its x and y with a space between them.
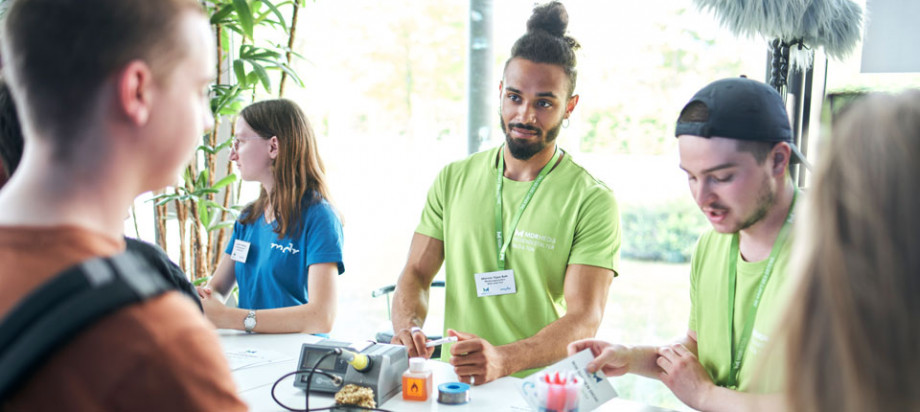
pixel 275 272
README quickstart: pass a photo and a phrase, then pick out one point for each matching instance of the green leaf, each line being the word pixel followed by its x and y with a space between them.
pixel 244 14
pixel 249 52
pixel 235 28
pixel 158 197
pixel 206 148
pixel 222 14
pixel 245 50
pixel 204 215
pixel 225 39
pixel 264 55
pixel 221 225
pixel 263 76
pixel 251 80
pixel 225 144
pixel 225 181
pixel 240 71
pixel 202 178
pixel 206 191
pixel 288 50
pixel 164 201
pixel 225 97
pixel 231 109
pixel 287 69
pixel 263 19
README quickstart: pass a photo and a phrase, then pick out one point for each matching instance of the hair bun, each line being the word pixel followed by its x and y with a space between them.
pixel 550 17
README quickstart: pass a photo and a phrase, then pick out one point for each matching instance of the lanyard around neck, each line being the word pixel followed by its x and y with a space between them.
pixel 503 242
pixel 738 352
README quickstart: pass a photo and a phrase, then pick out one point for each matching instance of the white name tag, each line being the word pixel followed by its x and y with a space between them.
pixel 240 251
pixel 495 283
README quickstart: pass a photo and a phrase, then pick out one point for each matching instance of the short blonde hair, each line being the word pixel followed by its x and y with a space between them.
pixel 57 53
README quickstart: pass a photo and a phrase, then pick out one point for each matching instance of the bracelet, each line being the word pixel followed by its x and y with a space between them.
pixel 414 329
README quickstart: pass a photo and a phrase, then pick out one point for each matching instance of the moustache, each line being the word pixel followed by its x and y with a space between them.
pixel 525 127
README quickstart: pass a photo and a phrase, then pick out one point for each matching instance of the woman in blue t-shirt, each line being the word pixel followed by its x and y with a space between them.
pixel 286 249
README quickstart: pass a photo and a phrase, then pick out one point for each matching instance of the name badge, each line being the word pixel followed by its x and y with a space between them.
pixel 495 283
pixel 240 251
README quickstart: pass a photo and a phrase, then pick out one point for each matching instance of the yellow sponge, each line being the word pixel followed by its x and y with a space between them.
pixel 356 395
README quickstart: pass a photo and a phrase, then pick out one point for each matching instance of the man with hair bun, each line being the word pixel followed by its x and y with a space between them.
pixel 530 240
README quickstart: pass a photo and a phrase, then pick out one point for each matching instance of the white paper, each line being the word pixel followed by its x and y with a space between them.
pixel 596 391
pixel 240 358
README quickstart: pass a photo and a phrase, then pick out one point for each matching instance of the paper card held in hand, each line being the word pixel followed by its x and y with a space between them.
pixel 594 393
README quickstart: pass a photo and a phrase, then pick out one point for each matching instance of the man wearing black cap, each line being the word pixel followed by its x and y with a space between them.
pixel 735 145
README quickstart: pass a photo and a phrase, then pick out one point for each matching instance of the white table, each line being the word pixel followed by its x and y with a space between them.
pixel 276 354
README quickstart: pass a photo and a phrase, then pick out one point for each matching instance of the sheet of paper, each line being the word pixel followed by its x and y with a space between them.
pixel 596 391
pixel 240 357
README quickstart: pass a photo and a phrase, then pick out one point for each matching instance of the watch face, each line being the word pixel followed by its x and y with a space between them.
pixel 250 322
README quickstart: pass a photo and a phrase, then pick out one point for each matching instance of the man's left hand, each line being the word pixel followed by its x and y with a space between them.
pixel 684 375
pixel 475 360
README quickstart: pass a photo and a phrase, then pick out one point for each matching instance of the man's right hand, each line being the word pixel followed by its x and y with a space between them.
pixel 610 358
pixel 414 339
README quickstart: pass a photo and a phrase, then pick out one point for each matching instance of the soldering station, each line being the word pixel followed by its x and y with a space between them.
pixel 376 366
pixel 328 367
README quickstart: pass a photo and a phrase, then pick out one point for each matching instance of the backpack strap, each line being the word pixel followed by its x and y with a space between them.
pixel 55 313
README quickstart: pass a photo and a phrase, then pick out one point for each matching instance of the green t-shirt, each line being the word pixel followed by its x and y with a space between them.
pixel 709 315
pixel 572 219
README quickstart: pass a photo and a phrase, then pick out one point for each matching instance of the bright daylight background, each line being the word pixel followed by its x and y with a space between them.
pixel 385 91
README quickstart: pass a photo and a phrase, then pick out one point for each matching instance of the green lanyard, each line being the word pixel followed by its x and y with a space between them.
pixel 502 242
pixel 738 353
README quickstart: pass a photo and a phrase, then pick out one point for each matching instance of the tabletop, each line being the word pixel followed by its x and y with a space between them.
pixel 258 360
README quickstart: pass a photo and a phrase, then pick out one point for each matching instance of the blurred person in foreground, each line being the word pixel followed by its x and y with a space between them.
pixel 112 96
pixel 10 135
pixel 11 144
pixel 854 318
pixel 735 145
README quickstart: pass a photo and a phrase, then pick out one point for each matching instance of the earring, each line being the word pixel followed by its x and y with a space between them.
pixel 565 123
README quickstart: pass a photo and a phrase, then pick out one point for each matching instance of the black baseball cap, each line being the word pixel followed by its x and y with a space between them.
pixel 737 108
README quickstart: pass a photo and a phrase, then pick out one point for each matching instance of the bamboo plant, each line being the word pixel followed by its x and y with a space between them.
pixel 204 200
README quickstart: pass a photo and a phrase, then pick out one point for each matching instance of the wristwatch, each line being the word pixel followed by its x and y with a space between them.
pixel 249 323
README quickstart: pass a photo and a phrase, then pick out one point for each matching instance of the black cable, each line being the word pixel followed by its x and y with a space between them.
pixel 320 371
pixel 306 406
pixel 309 381
pixel 327 408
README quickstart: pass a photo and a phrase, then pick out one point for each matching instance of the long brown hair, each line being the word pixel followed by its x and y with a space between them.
pixel 854 330
pixel 298 171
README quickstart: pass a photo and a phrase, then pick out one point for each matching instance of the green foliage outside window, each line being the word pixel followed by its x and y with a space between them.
pixel 666 232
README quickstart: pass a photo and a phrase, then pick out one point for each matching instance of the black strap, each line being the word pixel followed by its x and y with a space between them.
pixel 56 312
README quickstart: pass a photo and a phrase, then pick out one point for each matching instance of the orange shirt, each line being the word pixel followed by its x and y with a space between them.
pixel 159 355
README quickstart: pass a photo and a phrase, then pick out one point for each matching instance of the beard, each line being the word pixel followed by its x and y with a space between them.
pixel 523 149
pixel 765 200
